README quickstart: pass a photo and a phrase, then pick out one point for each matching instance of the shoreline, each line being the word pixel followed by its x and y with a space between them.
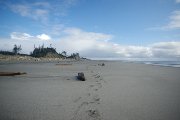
pixel 13 59
pixel 73 60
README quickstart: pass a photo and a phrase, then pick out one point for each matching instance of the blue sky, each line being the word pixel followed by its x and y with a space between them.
pixel 103 28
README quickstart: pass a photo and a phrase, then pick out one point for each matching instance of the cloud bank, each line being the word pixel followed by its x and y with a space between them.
pixel 92 45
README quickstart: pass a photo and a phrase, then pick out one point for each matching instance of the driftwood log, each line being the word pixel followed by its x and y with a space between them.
pixel 81 76
pixel 63 64
pixel 11 73
pixel 101 64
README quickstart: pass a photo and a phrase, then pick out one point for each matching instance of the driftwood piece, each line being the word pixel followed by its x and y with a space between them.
pixel 101 64
pixel 63 64
pixel 11 73
pixel 81 76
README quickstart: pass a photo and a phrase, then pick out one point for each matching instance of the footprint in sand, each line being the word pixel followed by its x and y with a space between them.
pixel 96 99
pixel 96 89
pixel 91 85
pixel 94 114
pixel 95 74
pixel 78 113
pixel 57 105
pixel 99 85
pixel 98 76
pixel 87 95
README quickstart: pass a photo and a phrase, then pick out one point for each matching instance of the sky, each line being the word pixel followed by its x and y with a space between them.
pixel 100 29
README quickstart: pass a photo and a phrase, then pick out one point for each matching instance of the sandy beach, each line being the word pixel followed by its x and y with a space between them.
pixel 116 91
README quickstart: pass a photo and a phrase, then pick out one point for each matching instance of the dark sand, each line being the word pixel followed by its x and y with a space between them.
pixel 116 91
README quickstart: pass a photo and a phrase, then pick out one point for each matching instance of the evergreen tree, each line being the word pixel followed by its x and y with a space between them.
pixel 17 49
pixel 64 53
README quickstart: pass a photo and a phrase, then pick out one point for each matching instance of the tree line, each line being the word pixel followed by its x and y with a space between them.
pixel 15 51
pixel 40 51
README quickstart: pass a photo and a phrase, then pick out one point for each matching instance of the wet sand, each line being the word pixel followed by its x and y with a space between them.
pixel 116 91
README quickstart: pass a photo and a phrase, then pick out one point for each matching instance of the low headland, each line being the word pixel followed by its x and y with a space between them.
pixel 40 54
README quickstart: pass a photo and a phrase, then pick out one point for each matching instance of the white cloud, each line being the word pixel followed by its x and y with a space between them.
pixel 77 40
pixel 175 21
pixel 60 7
pixel 166 49
pixel 177 1
pixel 41 10
pixel 42 4
pixel 134 51
pixel 21 9
pixel 40 14
pixel 93 45
pixel 20 36
pixel 28 10
pixel 78 33
pixel 55 30
pixel 43 37
pixel 26 36
pixel 173 24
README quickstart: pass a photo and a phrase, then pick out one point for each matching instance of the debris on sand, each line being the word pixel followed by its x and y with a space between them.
pixel 63 64
pixel 81 76
pixel 11 73
pixel 101 64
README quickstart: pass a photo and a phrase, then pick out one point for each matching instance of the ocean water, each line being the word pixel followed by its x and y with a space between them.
pixel 155 61
pixel 168 62
pixel 162 63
